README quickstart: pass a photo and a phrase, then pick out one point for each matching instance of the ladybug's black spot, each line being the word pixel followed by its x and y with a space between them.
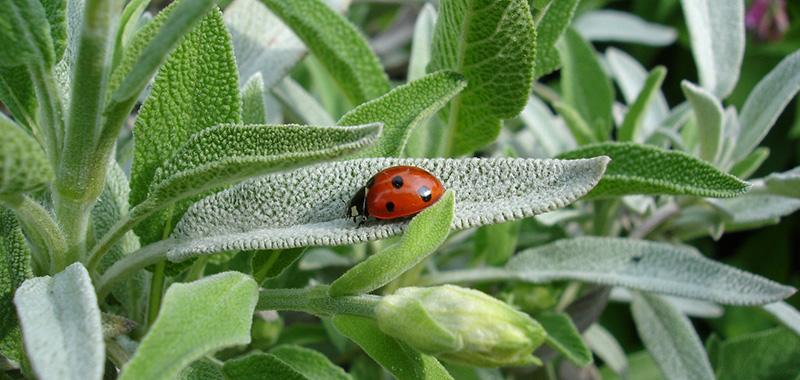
pixel 397 182
pixel 424 193
pixel 370 182
pixel 390 206
pixel 636 259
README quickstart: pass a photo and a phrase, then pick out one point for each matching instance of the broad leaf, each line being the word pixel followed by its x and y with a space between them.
pixel 202 370
pixel 254 106
pixel 766 102
pixel 61 325
pixel 401 360
pixel 645 169
pixel 310 363
pixel 611 25
pixel 492 45
pixel 770 354
pixel 670 338
pixel 404 108
pixel 584 84
pixel 305 206
pixel 716 29
pixel 260 367
pixel 25 34
pixel 23 163
pixel 195 318
pixel 196 88
pixel 564 337
pixel 18 95
pixel 339 46
pixel 632 126
pixel 549 29
pixel 643 265
pixel 424 234
pixel 15 267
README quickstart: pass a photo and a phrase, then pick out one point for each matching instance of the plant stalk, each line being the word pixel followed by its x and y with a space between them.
pixel 315 300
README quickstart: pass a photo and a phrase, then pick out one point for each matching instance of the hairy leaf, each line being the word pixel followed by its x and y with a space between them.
pixel 401 360
pixel 550 133
pixel 548 30
pixel 716 29
pixel 632 125
pixel 61 325
pixel 25 34
pixel 755 210
pixel 708 111
pixel 748 165
pixel 254 106
pixel 564 337
pixel 339 46
pixel 769 354
pixel 786 183
pixel 18 95
pixel 310 363
pixel 631 78
pixel 421 42
pixel 305 206
pixel 492 44
pixel 612 25
pixel 670 338
pixel 260 367
pixel 300 102
pixel 404 108
pixel 15 267
pixel 645 169
pixel 424 234
pixel 202 370
pixel 607 348
pixel 24 165
pixel 785 313
pixel 195 318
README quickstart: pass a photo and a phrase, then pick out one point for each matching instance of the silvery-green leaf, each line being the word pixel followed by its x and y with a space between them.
pixel 633 128
pixel 63 69
pixel 195 318
pixel 61 325
pixel 748 165
pixel 766 102
pixel 578 126
pixel 425 232
pixel 786 183
pixel 645 169
pixel 730 133
pixel 754 210
pixel 549 132
pixel 549 29
pixel 340 47
pixel 670 338
pixel 716 29
pixel 24 164
pixel 305 206
pixel 254 106
pixel 404 108
pixel 606 347
pixel 642 265
pixel 564 337
pixel 688 306
pixel 421 42
pixel 584 84
pixel 610 25
pixel 631 77
pixel 708 111
pixel 304 106
pixel 15 267
pixel 492 45
pixel 25 34
pixel 785 313
pixel 262 43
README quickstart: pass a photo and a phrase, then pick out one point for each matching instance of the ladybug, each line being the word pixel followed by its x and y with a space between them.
pixel 394 193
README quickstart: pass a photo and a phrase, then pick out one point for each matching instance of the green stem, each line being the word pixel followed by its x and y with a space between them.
pixel 489 274
pixel 197 268
pixel 130 264
pixel 116 232
pixel 604 212
pixel 315 300
pixel 156 292
pixel 116 353
pixel 73 216
pixel 261 272
pixel 48 243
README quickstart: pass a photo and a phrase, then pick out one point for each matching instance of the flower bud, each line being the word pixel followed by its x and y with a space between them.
pixel 460 325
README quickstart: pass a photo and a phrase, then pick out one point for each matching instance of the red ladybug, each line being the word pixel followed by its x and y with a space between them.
pixel 394 193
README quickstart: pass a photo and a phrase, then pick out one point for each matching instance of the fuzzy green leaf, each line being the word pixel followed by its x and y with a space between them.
pixel 708 111
pixel 25 167
pixel 195 318
pixel 421 42
pixel 787 314
pixel 548 30
pixel 645 169
pixel 310 363
pixel 18 95
pixel 401 360
pixel 769 354
pixel 755 210
pixel 565 338
pixel 129 23
pixel 254 106
pixel 61 325
pixel 260 367
pixel 786 183
pixel 631 78
pixel 580 129
pixel 301 103
pixel 492 44
pixel 202 370
pixel 404 108
pixel 25 34
pixel 607 348
pixel 584 84
pixel 716 29
pixel 670 338
pixel 55 11
pixel 766 102
pixel 611 25
pixel 300 208
pixel 424 234
pixel 748 165
pixel 497 242
pixel 548 131
pixel 643 265
pixel 15 268
pixel 632 125
pixel 339 46
pixel 202 71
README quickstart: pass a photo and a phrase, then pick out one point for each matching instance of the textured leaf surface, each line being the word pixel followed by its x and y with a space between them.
pixel 311 363
pixel 492 44
pixel 254 106
pixel 55 11
pixel 564 337
pixel 260 367
pixel 770 354
pixel 300 102
pixel 670 338
pixel 25 34
pixel 612 25
pixel 643 265
pixel 631 78
pixel 716 29
pixel 305 206
pixel 401 360
pixel 645 169
pixel 18 95
pixel 424 234
pixel 196 88
pixel 23 163
pixel 15 268
pixel 404 108
pixel 585 85
pixel 195 318
pixel 337 44
pixel 757 209
pixel 786 183
pixel 201 370
pixel 632 126
pixel 61 325
pixel 548 30
pixel 766 102
pixel 708 111
pixel 785 313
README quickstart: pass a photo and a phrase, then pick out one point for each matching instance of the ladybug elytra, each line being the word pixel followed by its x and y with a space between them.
pixel 394 193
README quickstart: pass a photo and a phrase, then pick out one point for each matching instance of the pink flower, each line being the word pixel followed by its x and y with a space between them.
pixel 767 18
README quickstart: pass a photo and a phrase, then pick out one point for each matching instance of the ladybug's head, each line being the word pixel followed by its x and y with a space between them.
pixel 357 206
